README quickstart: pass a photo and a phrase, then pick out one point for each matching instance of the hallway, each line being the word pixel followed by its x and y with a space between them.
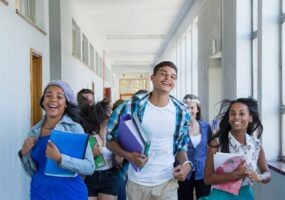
pixel 224 49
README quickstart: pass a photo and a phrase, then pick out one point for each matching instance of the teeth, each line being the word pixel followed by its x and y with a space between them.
pixel 52 106
pixel 166 83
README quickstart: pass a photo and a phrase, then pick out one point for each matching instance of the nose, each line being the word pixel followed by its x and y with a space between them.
pixel 236 116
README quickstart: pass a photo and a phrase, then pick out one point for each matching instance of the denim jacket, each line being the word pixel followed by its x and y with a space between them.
pixel 82 166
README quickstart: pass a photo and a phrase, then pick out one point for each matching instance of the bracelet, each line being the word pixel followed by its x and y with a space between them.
pixel 186 162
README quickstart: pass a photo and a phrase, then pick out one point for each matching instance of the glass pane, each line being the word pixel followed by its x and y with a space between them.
pixel 195 56
pixel 283 134
pixel 255 15
pixel 255 68
pixel 283 64
pixel 283 6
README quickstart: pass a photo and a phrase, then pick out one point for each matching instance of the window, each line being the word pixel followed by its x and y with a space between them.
pixel 97 63
pixel 182 66
pixel 33 12
pixel 85 50
pixel 194 56
pixel 283 82
pixel 188 61
pixel 254 47
pixel 4 1
pixel 92 61
pixel 100 67
pixel 76 40
pixel 27 8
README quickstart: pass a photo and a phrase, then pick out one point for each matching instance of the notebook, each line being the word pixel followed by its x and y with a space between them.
pixel 132 137
pixel 226 163
pixel 99 160
pixel 71 144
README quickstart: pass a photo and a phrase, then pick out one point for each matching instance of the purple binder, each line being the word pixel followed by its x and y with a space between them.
pixel 130 137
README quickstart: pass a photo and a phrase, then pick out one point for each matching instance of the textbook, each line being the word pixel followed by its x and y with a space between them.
pixel 99 160
pixel 132 137
pixel 227 163
pixel 71 144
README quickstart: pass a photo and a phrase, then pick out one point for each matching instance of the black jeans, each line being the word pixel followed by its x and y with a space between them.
pixel 186 188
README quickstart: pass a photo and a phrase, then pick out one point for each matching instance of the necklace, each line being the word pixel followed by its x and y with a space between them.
pixel 46 126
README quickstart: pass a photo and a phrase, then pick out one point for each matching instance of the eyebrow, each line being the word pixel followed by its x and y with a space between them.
pixel 163 70
pixel 49 92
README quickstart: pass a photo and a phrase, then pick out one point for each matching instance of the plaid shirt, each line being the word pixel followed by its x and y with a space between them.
pixel 136 106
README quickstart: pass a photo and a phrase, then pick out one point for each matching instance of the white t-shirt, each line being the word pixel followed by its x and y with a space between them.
pixel 159 124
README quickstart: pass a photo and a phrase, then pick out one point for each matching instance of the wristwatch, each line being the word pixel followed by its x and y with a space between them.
pixel 20 154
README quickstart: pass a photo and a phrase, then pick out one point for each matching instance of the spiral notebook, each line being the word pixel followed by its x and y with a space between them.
pixel 71 144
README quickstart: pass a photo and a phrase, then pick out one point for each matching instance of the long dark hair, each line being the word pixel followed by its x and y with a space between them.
pixel 70 110
pixel 93 116
pixel 225 127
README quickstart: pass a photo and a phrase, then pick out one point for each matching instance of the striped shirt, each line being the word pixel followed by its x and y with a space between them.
pixel 136 106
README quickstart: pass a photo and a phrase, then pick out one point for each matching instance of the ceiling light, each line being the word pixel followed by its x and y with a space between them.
pixel 136 37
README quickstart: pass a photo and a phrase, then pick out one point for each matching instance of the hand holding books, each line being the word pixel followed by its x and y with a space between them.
pixel 133 140
pixel 99 159
pixel 52 152
pixel 138 159
pixel 227 163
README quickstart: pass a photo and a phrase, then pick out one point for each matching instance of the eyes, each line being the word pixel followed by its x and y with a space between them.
pixel 57 96
pixel 165 74
pixel 234 113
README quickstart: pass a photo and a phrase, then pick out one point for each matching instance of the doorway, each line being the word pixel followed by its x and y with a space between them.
pixel 35 85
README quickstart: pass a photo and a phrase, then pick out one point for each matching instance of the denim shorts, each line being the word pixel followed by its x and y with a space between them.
pixel 104 182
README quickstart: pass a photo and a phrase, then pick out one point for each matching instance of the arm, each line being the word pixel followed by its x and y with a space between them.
pixel 137 158
pixel 211 177
pixel 25 155
pixel 181 171
pixel 264 176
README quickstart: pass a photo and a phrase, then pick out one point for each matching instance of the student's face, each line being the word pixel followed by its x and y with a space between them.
pixel 89 97
pixel 239 117
pixel 193 109
pixel 54 102
pixel 164 80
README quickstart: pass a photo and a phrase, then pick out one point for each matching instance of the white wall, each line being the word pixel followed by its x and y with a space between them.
pixel 74 71
pixel 17 37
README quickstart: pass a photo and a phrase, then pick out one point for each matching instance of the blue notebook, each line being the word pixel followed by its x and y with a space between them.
pixel 132 137
pixel 71 144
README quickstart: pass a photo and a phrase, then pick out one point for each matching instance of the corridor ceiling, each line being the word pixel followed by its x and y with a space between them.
pixel 133 33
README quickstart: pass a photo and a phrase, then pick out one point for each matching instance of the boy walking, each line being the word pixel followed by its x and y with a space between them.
pixel 165 121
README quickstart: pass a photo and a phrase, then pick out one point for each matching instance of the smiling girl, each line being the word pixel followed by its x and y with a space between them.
pixel 238 124
pixel 60 106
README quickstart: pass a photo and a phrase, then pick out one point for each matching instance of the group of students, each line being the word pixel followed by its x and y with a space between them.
pixel 180 158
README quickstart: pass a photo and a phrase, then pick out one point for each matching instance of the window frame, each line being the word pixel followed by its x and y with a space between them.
pixel 85 50
pixel 76 40
pixel 282 81
pixel 254 50
pixel 5 2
